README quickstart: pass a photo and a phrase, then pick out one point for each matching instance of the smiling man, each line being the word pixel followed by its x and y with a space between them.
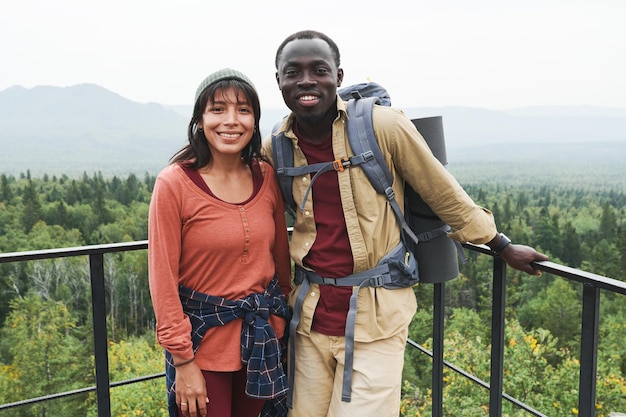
pixel 345 231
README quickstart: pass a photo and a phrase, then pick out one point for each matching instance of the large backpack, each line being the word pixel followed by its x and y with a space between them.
pixel 422 232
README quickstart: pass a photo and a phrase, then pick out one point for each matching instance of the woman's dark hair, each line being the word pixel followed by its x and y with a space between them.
pixel 198 152
pixel 309 34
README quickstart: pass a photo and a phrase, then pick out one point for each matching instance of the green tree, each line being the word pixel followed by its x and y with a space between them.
pixel 547 232
pixel 5 189
pixel 558 310
pixel 521 202
pixel 608 222
pixel 55 360
pixel 571 252
pixel 73 193
pixel 621 249
pixel 31 206
pixel 129 359
pixel 604 260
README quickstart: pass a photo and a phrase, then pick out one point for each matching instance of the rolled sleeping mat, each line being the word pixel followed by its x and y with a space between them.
pixel 437 258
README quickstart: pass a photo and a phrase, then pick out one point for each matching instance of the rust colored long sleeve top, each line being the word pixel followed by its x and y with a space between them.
pixel 217 248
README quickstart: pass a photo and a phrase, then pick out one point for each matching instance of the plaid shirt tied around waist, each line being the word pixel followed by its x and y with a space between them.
pixel 260 347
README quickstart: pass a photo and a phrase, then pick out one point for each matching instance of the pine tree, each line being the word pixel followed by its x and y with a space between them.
pixel 32 207
pixel 571 253
pixel 608 222
pixel 5 189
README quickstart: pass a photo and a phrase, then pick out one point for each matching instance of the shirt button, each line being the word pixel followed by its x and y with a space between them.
pixel 307 213
pixel 304 179
pixel 312 293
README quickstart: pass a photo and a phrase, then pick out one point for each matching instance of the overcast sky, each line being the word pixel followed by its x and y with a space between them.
pixel 481 53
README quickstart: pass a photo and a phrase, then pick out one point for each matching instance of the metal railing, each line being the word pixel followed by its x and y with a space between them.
pixel 98 302
pixel 592 285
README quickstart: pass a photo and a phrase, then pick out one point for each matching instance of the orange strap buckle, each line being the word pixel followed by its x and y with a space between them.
pixel 340 164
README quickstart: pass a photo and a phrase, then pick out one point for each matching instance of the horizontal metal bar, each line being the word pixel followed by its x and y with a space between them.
pixel 584 277
pixel 74 251
pixel 78 391
pixel 574 274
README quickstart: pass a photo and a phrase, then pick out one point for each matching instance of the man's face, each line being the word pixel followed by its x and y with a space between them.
pixel 308 78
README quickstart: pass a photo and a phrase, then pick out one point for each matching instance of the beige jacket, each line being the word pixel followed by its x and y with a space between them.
pixel 372 228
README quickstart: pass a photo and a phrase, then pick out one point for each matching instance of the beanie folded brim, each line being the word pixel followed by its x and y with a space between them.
pixel 222 75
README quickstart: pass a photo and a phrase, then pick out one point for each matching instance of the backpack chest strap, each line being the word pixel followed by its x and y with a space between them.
pixel 319 168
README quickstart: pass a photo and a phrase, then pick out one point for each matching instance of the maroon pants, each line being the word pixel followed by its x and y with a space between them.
pixel 227 397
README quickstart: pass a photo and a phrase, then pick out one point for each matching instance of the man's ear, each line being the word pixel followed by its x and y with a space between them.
pixel 339 77
pixel 278 81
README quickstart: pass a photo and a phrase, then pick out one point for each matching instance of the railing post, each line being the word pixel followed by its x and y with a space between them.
pixel 438 334
pixel 497 337
pixel 589 351
pixel 96 267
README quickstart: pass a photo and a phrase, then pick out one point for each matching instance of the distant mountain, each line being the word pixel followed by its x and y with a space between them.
pixel 86 128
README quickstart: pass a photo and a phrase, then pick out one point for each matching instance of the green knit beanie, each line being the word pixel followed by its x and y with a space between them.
pixel 223 74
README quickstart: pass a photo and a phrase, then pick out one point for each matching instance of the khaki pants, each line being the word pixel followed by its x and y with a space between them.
pixel 376 377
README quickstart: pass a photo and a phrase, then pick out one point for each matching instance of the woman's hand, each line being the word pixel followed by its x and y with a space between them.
pixel 191 395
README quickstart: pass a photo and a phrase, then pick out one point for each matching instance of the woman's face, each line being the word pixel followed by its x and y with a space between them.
pixel 228 122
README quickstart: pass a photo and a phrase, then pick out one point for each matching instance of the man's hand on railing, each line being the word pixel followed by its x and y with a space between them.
pixel 521 257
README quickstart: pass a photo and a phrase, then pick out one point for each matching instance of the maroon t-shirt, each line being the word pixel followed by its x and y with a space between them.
pixel 331 254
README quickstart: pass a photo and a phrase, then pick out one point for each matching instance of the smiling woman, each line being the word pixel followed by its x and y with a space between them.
pixel 228 123
pixel 218 251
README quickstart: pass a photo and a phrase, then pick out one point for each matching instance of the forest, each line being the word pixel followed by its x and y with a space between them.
pixel 46 341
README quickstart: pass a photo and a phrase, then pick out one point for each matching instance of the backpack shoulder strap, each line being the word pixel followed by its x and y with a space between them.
pixel 282 151
pixel 363 140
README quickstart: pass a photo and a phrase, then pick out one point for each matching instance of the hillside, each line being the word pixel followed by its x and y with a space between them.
pixel 86 128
